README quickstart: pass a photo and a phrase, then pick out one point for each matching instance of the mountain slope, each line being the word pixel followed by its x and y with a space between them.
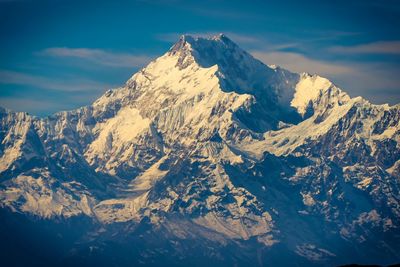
pixel 207 146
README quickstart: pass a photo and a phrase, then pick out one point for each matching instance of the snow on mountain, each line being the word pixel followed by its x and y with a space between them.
pixel 316 93
pixel 42 195
pixel 207 139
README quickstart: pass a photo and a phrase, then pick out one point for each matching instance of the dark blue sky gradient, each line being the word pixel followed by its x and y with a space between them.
pixel 58 55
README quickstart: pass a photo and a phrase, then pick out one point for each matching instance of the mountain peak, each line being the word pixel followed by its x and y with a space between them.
pixel 221 37
pixel 189 42
pixel 233 62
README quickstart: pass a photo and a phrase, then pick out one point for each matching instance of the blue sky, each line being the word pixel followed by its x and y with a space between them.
pixel 59 55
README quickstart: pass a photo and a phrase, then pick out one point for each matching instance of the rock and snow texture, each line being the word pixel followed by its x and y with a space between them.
pixel 210 134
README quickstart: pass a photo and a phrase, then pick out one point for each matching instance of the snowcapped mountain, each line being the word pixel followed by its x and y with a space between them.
pixel 207 155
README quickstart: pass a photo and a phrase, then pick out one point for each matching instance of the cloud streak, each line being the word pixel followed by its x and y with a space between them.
pixel 99 56
pixel 66 85
pixel 382 47
pixel 299 63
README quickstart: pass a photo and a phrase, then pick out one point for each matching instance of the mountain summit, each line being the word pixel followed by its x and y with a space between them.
pixel 206 155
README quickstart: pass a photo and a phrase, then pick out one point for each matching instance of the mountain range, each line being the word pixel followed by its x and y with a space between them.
pixel 205 156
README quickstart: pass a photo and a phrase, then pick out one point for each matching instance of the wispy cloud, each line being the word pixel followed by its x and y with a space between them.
pixel 99 56
pixel 382 47
pixel 299 63
pixel 68 85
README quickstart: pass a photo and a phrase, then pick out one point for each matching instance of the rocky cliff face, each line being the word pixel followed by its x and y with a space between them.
pixel 209 149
